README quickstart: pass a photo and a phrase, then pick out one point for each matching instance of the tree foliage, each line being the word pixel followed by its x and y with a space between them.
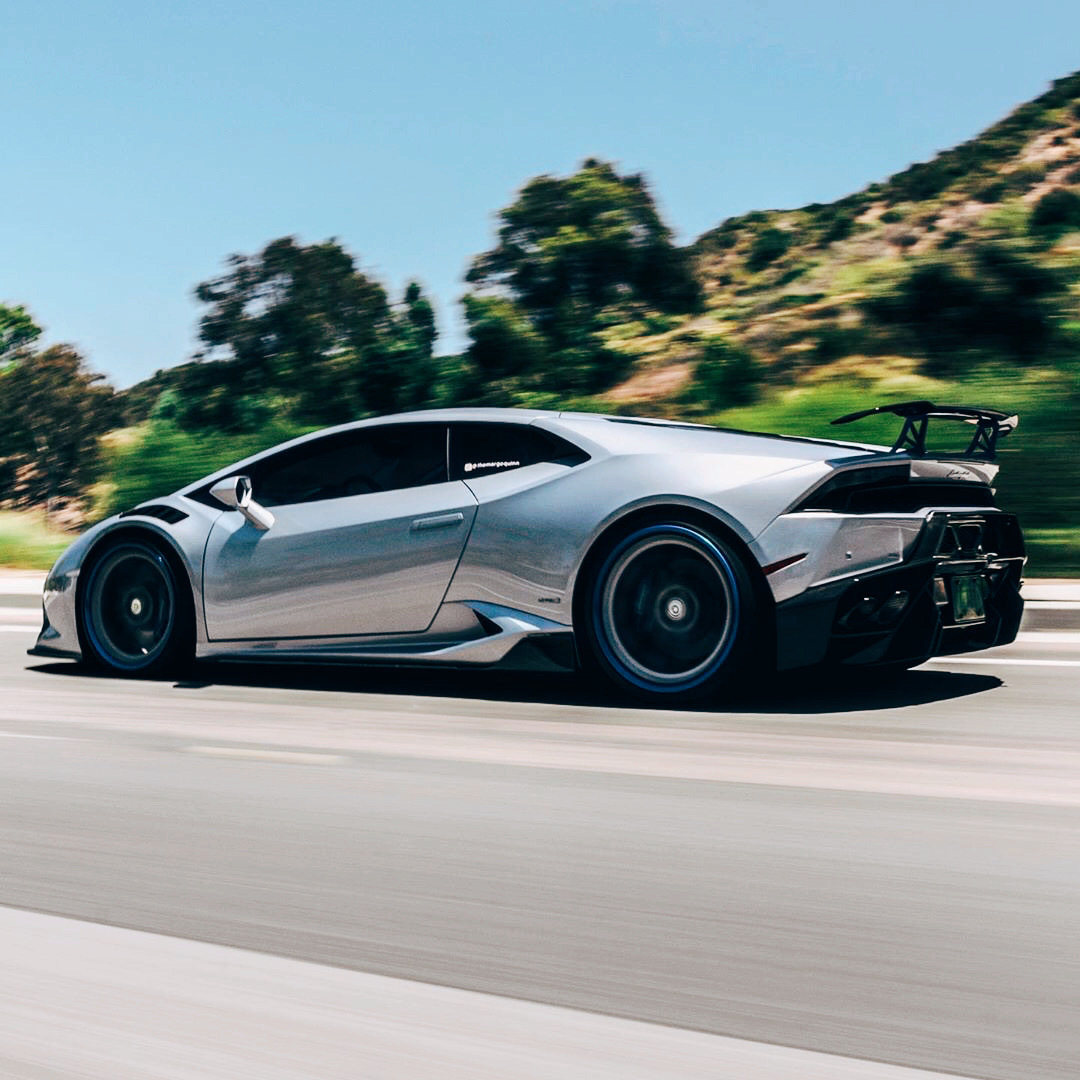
pixel 504 340
pixel 301 330
pixel 568 249
pixel 594 239
pixel 52 412
pixel 18 332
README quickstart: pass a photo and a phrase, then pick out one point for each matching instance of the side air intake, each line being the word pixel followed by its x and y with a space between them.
pixel 169 514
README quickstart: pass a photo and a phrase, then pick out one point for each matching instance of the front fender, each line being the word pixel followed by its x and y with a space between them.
pixel 185 541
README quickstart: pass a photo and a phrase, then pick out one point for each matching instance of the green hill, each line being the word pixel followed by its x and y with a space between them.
pixel 989 231
pixel 955 279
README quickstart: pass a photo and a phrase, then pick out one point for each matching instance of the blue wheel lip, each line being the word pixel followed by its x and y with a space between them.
pixel 88 623
pixel 631 677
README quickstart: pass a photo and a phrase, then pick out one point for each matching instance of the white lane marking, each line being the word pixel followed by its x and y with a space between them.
pixel 150 1005
pixel 20 620
pixel 1002 661
pixel 1052 605
pixel 1049 637
pixel 255 753
pixel 24 735
pixel 21 584
pixel 27 629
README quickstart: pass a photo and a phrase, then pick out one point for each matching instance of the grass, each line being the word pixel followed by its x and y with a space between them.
pixel 28 542
pixel 1052 553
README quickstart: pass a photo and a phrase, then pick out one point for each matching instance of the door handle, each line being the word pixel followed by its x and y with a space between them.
pixel 439 521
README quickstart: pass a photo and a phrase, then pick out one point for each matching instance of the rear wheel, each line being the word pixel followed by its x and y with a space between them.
pixel 671 614
pixel 133 618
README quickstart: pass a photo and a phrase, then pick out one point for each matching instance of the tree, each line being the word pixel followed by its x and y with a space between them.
pixel 52 412
pixel 18 332
pixel 301 327
pixel 420 316
pixel 503 340
pixel 567 249
pixel 595 237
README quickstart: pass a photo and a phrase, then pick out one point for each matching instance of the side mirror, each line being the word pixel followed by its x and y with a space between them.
pixel 234 492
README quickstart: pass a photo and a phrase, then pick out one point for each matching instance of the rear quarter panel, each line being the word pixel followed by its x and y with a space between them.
pixel 534 526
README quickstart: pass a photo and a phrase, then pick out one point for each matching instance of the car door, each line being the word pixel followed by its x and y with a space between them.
pixel 367 533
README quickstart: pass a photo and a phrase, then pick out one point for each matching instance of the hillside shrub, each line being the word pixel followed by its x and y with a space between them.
pixel 768 246
pixel 792 274
pixel 1026 175
pixel 794 300
pixel 925 179
pixel 722 238
pixel 995 304
pixel 892 216
pixel 727 376
pixel 1058 211
pixel 990 191
pixel 839 228
pixel 659 324
pixel 835 342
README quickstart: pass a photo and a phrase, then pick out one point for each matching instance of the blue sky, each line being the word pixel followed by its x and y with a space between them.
pixel 142 142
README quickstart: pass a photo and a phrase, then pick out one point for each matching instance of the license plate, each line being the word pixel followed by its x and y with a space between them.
pixel 968 593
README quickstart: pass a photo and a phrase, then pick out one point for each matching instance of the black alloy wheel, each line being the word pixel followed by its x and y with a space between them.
pixel 132 615
pixel 671 614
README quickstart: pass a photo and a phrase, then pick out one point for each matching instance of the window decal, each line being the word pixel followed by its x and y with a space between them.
pixel 470 466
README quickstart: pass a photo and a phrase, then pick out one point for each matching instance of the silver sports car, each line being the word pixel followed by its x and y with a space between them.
pixel 675 559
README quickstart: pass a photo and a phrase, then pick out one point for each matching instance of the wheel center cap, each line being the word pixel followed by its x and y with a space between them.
pixel 676 608
pixel 136 606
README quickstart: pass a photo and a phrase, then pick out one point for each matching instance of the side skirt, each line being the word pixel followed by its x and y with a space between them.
pixel 504 637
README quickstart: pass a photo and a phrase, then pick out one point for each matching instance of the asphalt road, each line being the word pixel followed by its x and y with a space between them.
pixel 883 873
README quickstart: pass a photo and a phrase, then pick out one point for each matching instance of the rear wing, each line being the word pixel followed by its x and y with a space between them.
pixel 990 426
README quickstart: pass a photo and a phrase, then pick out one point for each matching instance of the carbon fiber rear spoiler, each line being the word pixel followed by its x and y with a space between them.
pixel 990 426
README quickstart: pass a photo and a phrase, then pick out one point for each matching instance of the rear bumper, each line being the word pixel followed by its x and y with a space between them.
pixel 904 614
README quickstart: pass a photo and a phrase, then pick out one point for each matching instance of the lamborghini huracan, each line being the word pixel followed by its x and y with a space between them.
pixel 672 558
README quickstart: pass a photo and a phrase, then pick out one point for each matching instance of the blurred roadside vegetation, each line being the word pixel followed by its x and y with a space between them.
pixel 28 541
pixel 1040 461
pixel 956 280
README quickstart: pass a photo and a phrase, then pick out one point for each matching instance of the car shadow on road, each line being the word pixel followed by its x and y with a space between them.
pixel 801 693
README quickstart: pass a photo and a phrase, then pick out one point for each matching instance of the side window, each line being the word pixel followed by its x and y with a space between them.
pixel 353 463
pixel 483 449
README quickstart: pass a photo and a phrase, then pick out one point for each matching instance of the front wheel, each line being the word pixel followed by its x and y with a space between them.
pixel 132 615
pixel 671 614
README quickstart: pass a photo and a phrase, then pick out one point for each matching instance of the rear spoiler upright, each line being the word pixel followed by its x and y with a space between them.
pixel 990 426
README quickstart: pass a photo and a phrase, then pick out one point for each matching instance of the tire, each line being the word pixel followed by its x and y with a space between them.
pixel 133 618
pixel 671 614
